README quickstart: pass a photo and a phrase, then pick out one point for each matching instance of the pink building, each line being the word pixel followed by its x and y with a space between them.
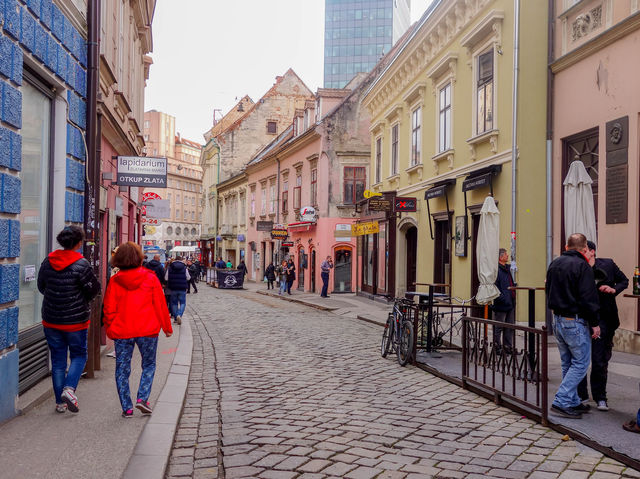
pixel 596 111
pixel 308 180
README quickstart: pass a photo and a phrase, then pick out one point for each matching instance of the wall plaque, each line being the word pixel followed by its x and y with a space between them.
pixel 617 194
pixel 617 134
pixel 379 204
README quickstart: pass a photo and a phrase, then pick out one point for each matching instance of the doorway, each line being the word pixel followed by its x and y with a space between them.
pixel 442 254
pixel 302 265
pixel 313 270
pixel 412 256
pixel 342 270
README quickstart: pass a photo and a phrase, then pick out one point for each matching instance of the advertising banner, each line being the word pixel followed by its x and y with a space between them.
pixel 142 171
pixel 368 228
pixel 264 225
pixel 279 232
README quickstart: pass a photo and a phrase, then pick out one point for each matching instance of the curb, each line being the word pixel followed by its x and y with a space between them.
pixel 151 454
pixel 370 320
pixel 299 301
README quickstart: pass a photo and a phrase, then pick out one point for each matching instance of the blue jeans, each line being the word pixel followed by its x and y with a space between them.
pixel 147 346
pixel 574 343
pixel 283 286
pixel 59 343
pixel 177 301
pixel 325 283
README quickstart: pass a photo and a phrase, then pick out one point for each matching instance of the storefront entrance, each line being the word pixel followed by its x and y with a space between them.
pixel 412 256
pixel 302 266
pixel 342 270
pixel 313 271
pixel 442 253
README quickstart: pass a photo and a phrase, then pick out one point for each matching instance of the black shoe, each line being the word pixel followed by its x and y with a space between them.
pixel 582 407
pixel 567 412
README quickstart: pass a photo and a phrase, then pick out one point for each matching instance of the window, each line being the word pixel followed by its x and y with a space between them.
pixel 146 124
pixel 272 198
pixel 484 121
pixel 394 149
pixel 193 216
pixel 378 158
pixel 297 193
pixel 177 214
pixel 314 186
pixel 415 136
pixel 193 201
pixel 285 197
pixel 444 124
pixel 186 200
pixel 272 127
pixel 263 205
pixel 177 200
pixel 354 183
pixel 252 204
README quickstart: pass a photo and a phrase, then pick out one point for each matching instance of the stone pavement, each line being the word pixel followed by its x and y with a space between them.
pixel 279 390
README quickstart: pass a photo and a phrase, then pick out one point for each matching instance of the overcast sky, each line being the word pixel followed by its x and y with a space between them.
pixel 207 53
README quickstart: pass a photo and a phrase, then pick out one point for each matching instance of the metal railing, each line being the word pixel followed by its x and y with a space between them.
pixel 517 374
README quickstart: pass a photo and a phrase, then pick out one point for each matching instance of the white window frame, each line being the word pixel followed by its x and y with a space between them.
pixel 447 109
pixel 415 108
pixel 394 160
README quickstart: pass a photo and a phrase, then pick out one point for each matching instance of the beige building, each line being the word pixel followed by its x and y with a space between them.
pixel 184 183
pixel 232 211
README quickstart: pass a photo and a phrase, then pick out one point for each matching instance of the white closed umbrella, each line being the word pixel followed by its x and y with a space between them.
pixel 487 250
pixel 579 213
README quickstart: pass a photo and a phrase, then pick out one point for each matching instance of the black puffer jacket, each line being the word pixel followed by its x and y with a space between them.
pixel 67 288
pixel 156 266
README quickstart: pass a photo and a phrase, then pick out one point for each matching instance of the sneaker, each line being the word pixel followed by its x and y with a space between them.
pixel 602 406
pixel 69 397
pixel 128 413
pixel 566 411
pixel 112 354
pixel 144 406
pixel 61 408
pixel 582 407
pixel 179 319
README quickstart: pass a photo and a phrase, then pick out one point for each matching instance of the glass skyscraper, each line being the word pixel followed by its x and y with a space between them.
pixel 357 33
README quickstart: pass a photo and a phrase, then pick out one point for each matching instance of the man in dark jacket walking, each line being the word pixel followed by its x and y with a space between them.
pixel 504 305
pixel 193 272
pixel 156 266
pixel 573 298
pixel 611 282
pixel 177 278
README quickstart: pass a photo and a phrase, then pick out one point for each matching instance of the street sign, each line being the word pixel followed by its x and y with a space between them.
pixel 142 171
pixel 379 204
pixel 264 225
pixel 369 194
pixel 368 228
pixel 403 204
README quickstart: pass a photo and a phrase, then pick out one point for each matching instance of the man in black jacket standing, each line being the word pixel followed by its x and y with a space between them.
pixel 573 298
pixel 504 305
pixel 611 282
pixel 156 266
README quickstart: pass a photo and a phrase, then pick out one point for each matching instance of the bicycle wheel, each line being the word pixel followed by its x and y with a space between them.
pixel 405 344
pixel 387 335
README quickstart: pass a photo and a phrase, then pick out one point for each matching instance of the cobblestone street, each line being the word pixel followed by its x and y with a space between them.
pixel 279 390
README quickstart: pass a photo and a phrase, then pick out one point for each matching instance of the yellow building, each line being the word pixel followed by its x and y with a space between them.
pixel 442 128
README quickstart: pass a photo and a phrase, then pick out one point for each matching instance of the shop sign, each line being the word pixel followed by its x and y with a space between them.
pixel 157 208
pixel 150 195
pixel 142 171
pixel 405 204
pixel 241 238
pixel 151 221
pixel 279 232
pixel 368 228
pixel 477 182
pixel 287 244
pixel 370 194
pixel 308 213
pixel 264 225
pixel 379 204
pixel 343 230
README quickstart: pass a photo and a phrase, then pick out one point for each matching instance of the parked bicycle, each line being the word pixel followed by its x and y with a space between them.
pixel 398 331
pixel 439 333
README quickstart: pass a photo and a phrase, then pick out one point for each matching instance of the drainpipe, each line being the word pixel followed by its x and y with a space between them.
pixel 279 242
pixel 550 84
pixel 514 137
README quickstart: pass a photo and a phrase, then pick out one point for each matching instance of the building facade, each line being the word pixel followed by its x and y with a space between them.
pixel 442 139
pixel 43 77
pixel 184 184
pixel 597 122
pixel 232 206
pixel 358 34
pixel 208 160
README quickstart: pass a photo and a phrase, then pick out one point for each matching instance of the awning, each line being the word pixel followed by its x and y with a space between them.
pixel 438 190
pixel 301 225
pixel 480 178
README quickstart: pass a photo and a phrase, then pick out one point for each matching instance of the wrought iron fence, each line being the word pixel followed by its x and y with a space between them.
pixel 516 373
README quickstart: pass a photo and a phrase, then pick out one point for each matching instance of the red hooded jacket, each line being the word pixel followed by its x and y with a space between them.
pixel 135 306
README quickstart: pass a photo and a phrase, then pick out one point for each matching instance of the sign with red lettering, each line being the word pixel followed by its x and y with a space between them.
pixel 405 204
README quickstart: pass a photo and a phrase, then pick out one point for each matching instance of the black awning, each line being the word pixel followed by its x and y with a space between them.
pixel 438 189
pixel 480 178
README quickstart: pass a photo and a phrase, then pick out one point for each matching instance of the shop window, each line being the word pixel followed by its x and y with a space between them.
pixel 416 123
pixel 444 123
pixel 484 93
pixel 354 184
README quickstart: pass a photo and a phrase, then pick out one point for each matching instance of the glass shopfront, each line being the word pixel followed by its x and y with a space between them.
pixel 375 260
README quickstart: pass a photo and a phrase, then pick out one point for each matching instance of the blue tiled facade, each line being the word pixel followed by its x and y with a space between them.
pixel 38 29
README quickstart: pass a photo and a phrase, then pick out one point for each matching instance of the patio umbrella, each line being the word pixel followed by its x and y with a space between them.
pixel 487 250
pixel 579 214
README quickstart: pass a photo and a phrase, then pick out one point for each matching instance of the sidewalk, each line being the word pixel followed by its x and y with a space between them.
pixel 604 428
pixel 96 442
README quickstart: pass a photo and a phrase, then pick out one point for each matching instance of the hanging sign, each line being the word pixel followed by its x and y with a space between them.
pixel 379 204
pixel 157 208
pixel 370 194
pixel 403 204
pixel 287 244
pixel 142 171
pixel 279 232
pixel 368 228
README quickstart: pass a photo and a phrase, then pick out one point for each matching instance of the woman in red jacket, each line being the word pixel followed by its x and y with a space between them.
pixel 134 311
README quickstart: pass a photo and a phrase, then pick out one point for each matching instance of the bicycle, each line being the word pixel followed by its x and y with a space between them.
pixel 438 337
pixel 398 332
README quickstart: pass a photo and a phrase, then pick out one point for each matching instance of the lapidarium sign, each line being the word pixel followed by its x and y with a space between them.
pixel 142 171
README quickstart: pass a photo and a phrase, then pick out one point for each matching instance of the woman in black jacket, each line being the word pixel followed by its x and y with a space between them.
pixel 270 274
pixel 68 284
pixel 291 275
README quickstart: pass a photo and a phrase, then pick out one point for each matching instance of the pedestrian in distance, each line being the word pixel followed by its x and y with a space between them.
pixel 177 278
pixel 134 312
pixel 193 272
pixel 220 263
pixel 68 285
pixel 156 266
pixel 610 282
pixel 325 268
pixel 573 298
pixel 270 275
pixel 282 276
pixel 504 305
pixel 291 275
pixel 229 264
pixel 242 267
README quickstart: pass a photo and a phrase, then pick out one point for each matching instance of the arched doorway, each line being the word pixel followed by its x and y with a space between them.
pixel 412 256
pixel 313 270
pixel 342 270
pixel 302 266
